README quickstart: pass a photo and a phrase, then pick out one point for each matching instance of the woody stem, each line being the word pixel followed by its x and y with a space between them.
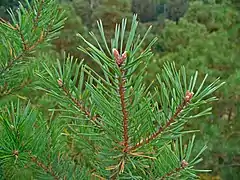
pixel 124 110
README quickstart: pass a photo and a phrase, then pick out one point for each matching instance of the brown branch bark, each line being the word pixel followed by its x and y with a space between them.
pixel 47 169
pixel 124 111
pixel 119 59
pixel 10 63
pixel 25 45
pixel 22 37
pixel 38 15
pixel 7 23
pixel 76 102
pixel 176 170
pixel 187 99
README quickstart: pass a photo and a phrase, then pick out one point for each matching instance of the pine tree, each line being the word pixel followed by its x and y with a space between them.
pixel 110 127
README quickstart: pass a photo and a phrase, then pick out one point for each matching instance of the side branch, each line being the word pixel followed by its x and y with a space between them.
pixel 76 102
pixel 176 170
pixel 36 20
pixel 187 99
pixel 26 47
pixel 22 37
pixel 47 169
pixel 25 51
pixel 5 91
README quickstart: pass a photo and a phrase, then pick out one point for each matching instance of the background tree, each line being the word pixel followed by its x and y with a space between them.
pixel 175 9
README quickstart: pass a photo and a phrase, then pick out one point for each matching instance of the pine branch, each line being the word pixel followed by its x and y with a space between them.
pixel 22 38
pixel 4 91
pixel 101 150
pixel 31 27
pixel 47 169
pixel 76 102
pixel 38 15
pixel 2 21
pixel 124 111
pixel 97 176
pixel 26 49
pixel 21 55
pixel 119 61
pixel 187 99
pixel 184 164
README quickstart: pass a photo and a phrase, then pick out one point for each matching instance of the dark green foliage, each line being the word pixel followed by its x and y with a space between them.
pixel 175 9
pixel 103 133
pixel 30 143
pixel 30 30
pixel 73 145
pixel 150 10
pixel 109 127
pixel 147 10
pixel 208 39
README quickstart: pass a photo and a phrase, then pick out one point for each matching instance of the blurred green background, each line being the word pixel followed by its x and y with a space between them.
pixel 202 35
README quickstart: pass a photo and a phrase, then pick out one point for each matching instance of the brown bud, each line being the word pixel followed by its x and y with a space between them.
pixel 119 59
pixel 184 163
pixel 15 153
pixel 124 55
pixel 188 96
pixel 60 82
pixel 116 54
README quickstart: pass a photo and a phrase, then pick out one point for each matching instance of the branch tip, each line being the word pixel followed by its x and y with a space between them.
pixel 184 163
pixel 60 82
pixel 188 96
pixel 119 59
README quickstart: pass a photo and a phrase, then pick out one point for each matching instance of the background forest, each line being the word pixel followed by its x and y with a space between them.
pixel 202 35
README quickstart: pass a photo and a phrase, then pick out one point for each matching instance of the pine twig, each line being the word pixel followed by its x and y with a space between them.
pixel 18 88
pixel 11 62
pixel 76 102
pixel 8 24
pixel 26 49
pixel 47 169
pixel 124 111
pixel 36 20
pixel 22 37
pixel 176 170
pixel 119 59
pixel 187 99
